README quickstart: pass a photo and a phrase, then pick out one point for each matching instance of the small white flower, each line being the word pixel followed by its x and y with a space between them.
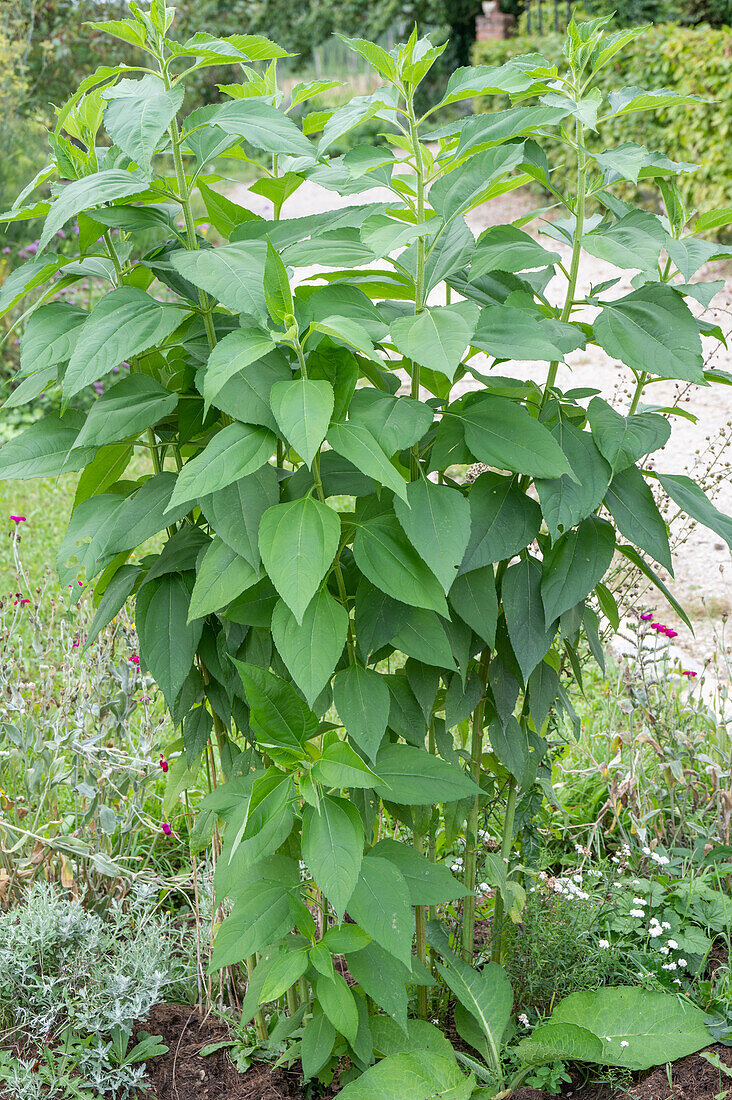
pixel 683 963
pixel 666 926
pixel 603 944
pixel 672 944
pixel 608 1038
pixel 624 1043
pixel 669 966
pixel 677 981
pixel 483 886
pixel 637 913
pixel 646 851
pixel 523 1019
pixel 661 860
pixel 664 950
pixel 639 901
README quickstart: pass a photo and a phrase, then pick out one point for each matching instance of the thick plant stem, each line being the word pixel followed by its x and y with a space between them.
pixel 420 913
pixel 419 278
pixel 499 908
pixel 260 1024
pixel 576 249
pixel 471 847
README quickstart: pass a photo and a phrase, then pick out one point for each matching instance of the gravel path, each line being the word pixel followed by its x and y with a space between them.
pixel 703 573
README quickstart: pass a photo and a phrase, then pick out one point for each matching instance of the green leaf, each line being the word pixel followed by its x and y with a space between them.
pixel 622 440
pixel 506 248
pixel 221 576
pixel 656 1027
pixel 356 443
pixel 332 848
pixel 429 883
pixel 362 700
pixel 396 423
pixel 527 628
pixel 343 330
pixel 652 330
pixel 44 450
pixel 380 905
pixel 161 613
pixel 632 99
pixel 631 504
pixel 694 502
pixel 124 323
pixel 634 241
pixel 286 970
pixel 235 511
pixel 388 1037
pixel 504 521
pixel 133 404
pixel 436 520
pixel 112 600
pixel 302 409
pixel 233 452
pixel 566 501
pixel 250 389
pixel 259 918
pixel 138 114
pixel 423 637
pixel 232 273
pixel 197 727
pixel 552 1041
pixel 85 194
pixel 50 335
pixel 473 597
pixel 235 352
pixel 340 766
pixel 317 1043
pixel 642 565
pixel 311 649
pixel 438 336
pixel 420 1076
pixel 458 192
pixel 517 334
pixel 501 433
pixel 575 564
pixel 382 978
pixel 385 556
pixel 263 126
pixel 223 213
pixel 298 542
pixel 413 777
pixel 338 1004
pixel 279 718
pixel 277 292
pixel 141 515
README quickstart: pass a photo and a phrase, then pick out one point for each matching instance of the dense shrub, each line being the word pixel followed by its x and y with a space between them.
pixel 691 61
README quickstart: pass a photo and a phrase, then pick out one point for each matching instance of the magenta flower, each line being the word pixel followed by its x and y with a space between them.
pixel 18 519
pixel 646 617
pixel 134 659
pixel 24 601
pixel 688 672
pixel 163 763
pixel 166 828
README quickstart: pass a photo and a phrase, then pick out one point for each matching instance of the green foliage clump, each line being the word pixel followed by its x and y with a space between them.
pixel 691 61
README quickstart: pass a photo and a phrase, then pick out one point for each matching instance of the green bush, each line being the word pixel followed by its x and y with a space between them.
pixel 691 61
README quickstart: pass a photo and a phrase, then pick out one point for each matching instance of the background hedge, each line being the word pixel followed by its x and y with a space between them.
pixel 690 60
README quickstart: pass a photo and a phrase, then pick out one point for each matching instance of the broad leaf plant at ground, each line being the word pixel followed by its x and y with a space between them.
pixel 375 586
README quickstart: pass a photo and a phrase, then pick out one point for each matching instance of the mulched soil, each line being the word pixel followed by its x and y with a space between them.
pixel 182 1074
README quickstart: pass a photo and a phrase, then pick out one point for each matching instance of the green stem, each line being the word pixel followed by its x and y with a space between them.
pixel 640 384
pixel 499 908
pixel 576 249
pixel 420 913
pixel 419 278
pixel 260 1024
pixel 471 846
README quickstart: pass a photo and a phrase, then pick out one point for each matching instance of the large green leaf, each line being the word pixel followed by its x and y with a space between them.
pixel 631 504
pixel 429 883
pixel 436 520
pixel 652 330
pixel 332 848
pixel 50 335
pixel 517 334
pixel 395 422
pixel 380 905
pixel 232 273
pixel 298 542
pixel 382 978
pixel 279 718
pixel 246 394
pixel 361 698
pixel 386 557
pixel 506 248
pixel 221 576
pixel 338 1003
pixel 317 1043
pixel 357 444
pixel 423 1075
pixel 564 501
pixel 262 126
pixel 235 511
pixel 501 433
pixel 575 564
pixel 233 452
pixel 161 614
pixel 504 521
pixel 528 630
pixel 423 636
pixel 141 515
pixel 311 649
pixel 692 500
pixel 623 440
pixel 302 409
pixel 235 352
pixel 124 323
pixel 414 777
pixel 138 114
pixel 133 404
pixel 473 597
pixel 86 193
pixel 638 1029
pixel 458 192
pixel 341 766
pixel 634 241
pixel 261 917
pixel 438 337
pixel 44 449
pixel 26 277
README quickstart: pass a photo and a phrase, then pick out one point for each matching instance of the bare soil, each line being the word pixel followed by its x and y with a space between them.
pixel 703 574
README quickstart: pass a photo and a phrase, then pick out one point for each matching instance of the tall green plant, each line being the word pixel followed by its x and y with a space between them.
pixel 363 633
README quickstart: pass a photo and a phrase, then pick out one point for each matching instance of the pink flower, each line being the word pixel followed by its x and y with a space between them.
pixel 688 672
pixel 134 659
pixel 25 601
pixel 163 763
pixel 671 633
pixel 166 828
pixel 18 519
